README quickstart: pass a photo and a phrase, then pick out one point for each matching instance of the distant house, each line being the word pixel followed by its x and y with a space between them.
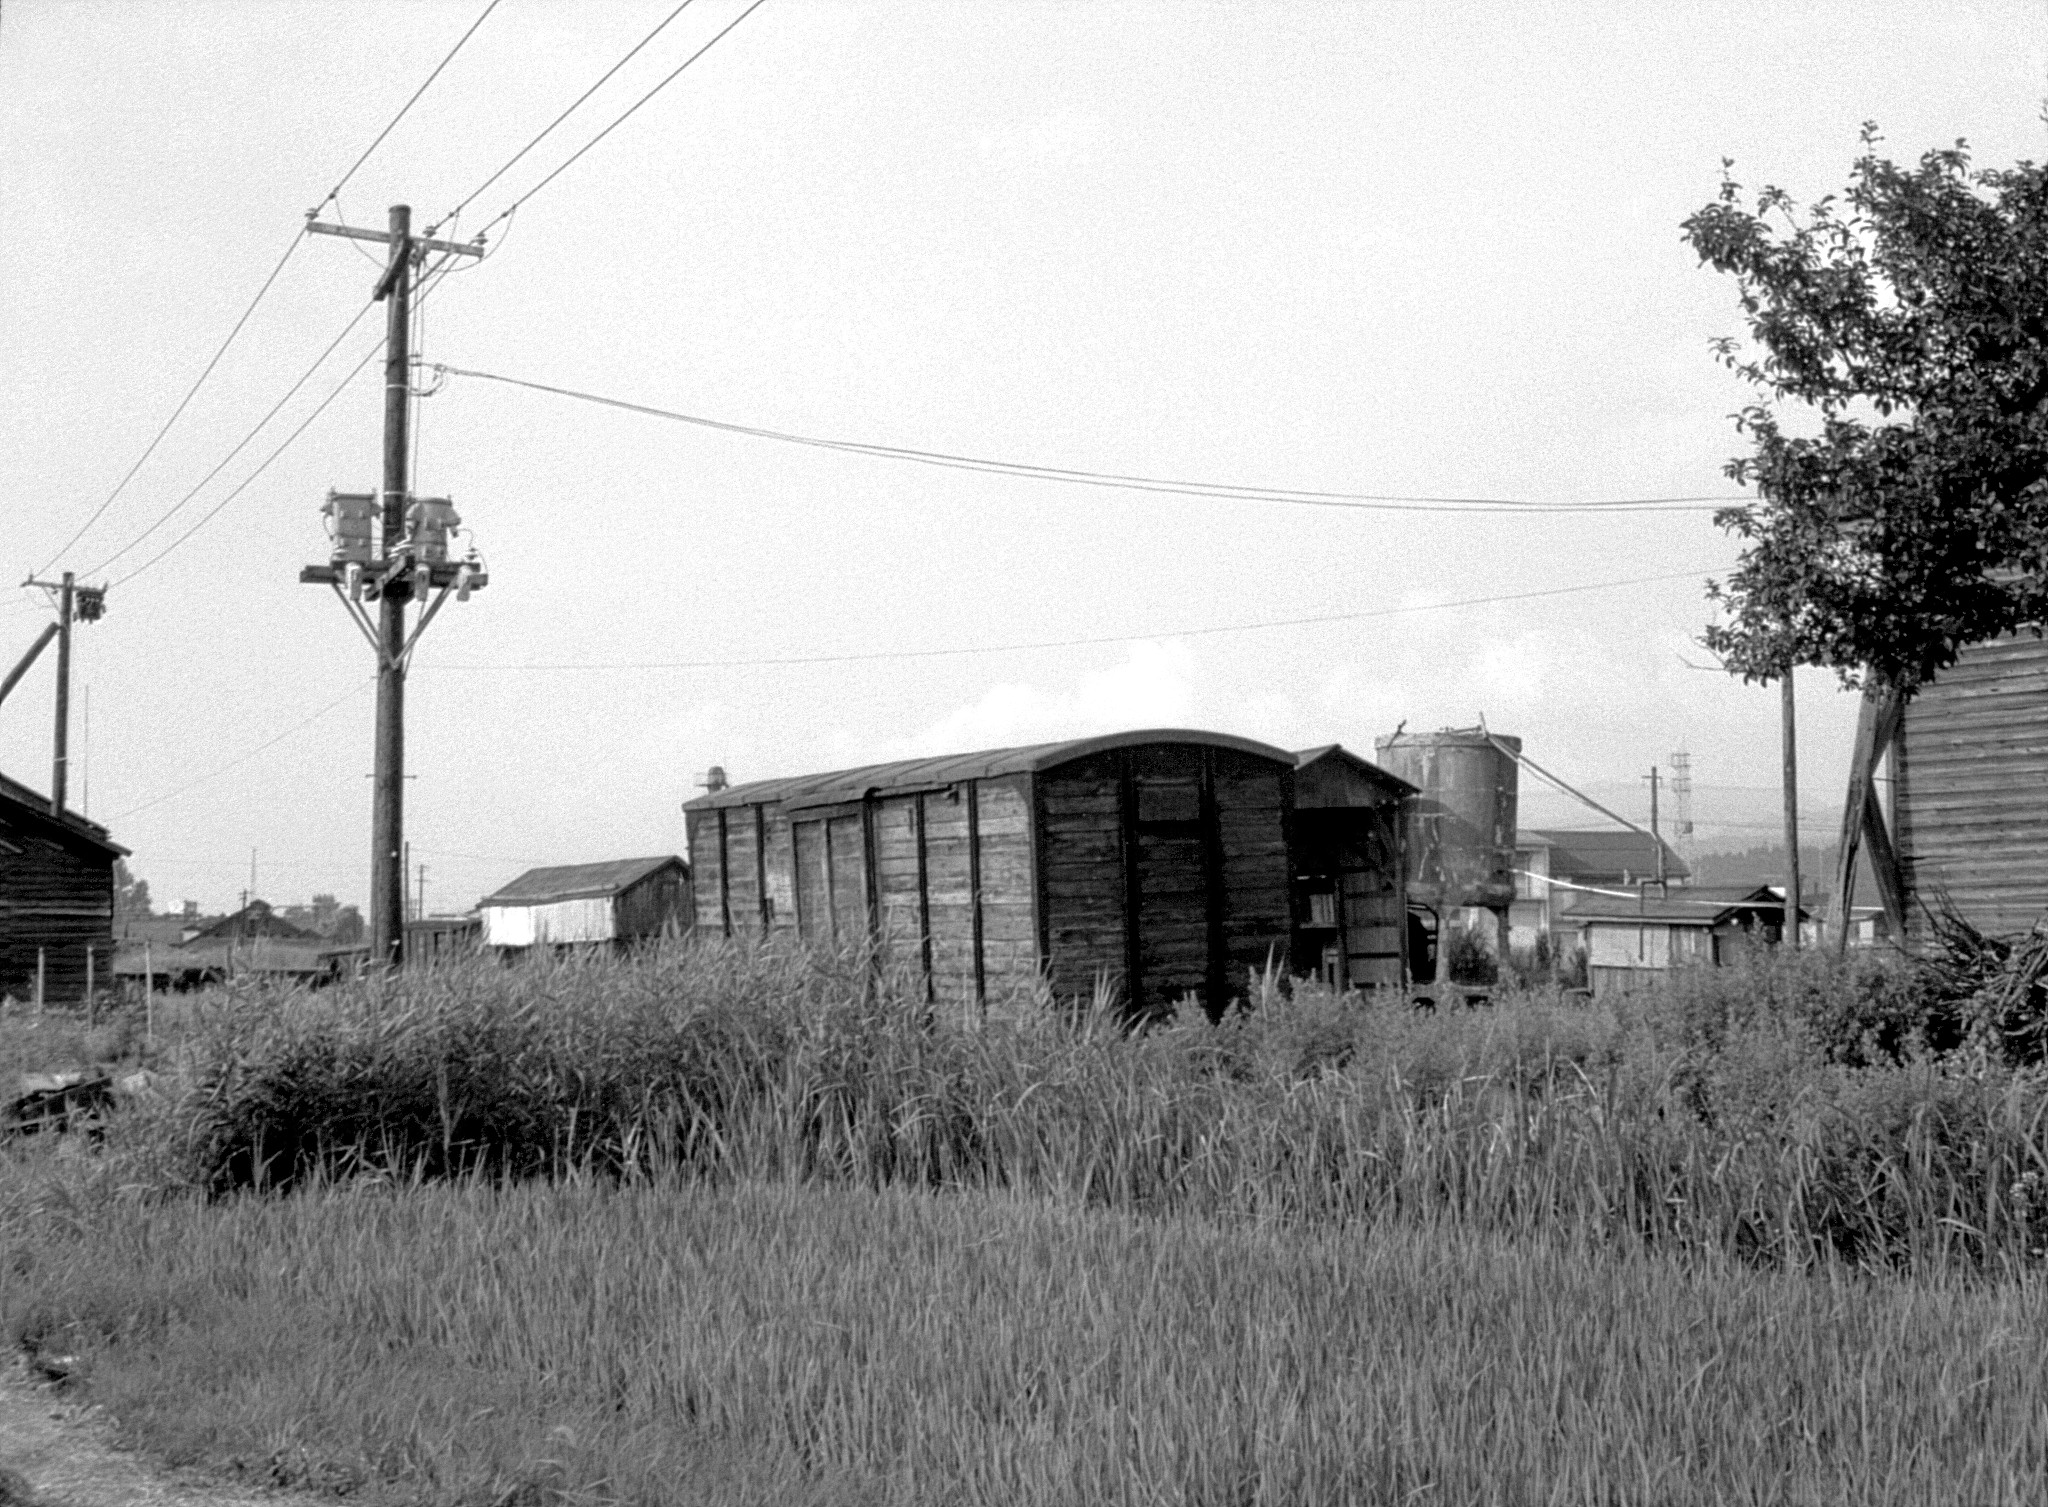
pixel 626 900
pixel 254 940
pixel 56 897
pixel 1556 869
pixel 1633 939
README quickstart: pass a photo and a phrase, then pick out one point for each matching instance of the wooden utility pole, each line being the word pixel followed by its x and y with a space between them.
pixel 60 747
pixel 412 563
pixel 387 798
pixel 1787 716
pixel 1656 837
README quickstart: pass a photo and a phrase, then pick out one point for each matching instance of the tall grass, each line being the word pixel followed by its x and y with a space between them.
pixel 1753 1111
pixel 575 1342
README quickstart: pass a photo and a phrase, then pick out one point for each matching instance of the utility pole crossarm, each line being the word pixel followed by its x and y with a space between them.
pixel 423 243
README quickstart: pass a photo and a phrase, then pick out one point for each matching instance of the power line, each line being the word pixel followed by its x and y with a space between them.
pixel 1074 643
pixel 240 759
pixel 402 109
pixel 243 484
pixel 548 129
pixel 183 403
pixel 240 445
pixel 292 246
pixel 621 119
pixel 1223 491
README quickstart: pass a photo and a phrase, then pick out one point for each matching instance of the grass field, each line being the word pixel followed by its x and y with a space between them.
pixel 709 1226
pixel 788 1344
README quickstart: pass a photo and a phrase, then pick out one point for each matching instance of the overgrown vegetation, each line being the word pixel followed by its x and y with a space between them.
pixel 718 1225
pixel 1788 1111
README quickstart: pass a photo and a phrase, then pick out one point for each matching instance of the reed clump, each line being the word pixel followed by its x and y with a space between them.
pixel 1762 1111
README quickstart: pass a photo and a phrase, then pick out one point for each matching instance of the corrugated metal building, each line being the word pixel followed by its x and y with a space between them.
pixel 56 897
pixel 626 900
pixel 1970 789
pixel 1157 860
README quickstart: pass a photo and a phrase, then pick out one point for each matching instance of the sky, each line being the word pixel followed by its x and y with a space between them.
pixel 1426 250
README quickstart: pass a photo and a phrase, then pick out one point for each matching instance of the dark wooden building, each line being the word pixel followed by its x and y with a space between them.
pixel 56 898
pixel 1352 911
pixel 1155 861
pixel 1969 795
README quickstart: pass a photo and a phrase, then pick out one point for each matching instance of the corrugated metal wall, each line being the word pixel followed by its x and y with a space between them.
pixel 1970 789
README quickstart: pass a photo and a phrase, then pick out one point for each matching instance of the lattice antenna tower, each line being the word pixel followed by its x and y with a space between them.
pixel 1681 807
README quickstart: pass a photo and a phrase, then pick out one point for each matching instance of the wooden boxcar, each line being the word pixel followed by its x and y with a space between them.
pixel 1970 789
pixel 1155 862
pixel 1351 908
pixel 56 898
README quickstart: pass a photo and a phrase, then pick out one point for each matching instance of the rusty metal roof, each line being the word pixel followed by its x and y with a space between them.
pixel 934 774
pixel 581 881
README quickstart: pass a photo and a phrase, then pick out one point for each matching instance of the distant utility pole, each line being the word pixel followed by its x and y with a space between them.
pixel 411 564
pixel 74 603
pixel 1786 714
pixel 1656 838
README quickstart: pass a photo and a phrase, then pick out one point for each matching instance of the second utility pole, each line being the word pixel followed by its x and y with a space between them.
pixel 387 799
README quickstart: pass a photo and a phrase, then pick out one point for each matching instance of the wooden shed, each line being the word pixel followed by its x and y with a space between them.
pixel 625 900
pixel 1351 907
pixel 56 898
pixel 1157 861
pixel 1969 795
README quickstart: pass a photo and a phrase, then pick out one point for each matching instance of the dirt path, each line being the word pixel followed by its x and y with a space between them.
pixel 66 1454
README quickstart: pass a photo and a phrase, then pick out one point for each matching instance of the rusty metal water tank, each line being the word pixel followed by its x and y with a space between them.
pixel 1460 838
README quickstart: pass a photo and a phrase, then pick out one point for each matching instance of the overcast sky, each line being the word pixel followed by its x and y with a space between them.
pixel 1420 249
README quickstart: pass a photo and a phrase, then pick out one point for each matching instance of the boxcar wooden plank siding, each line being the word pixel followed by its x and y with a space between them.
pixel 1155 862
pixel 1970 789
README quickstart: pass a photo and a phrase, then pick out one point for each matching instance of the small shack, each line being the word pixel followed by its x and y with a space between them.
pixel 56 898
pixel 1154 861
pixel 1631 940
pixel 624 901
pixel 1351 910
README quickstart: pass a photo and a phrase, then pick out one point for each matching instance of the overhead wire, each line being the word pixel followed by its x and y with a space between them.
pixel 866 656
pixel 1223 491
pixel 240 445
pixel 623 117
pixel 244 484
pixel 183 403
pixel 404 108
pixel 548 129
pixel 243 758
pixel 333 196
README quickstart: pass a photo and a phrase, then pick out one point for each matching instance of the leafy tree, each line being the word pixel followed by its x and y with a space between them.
pixel 1906 325
pixel 348 923
pixel 131 895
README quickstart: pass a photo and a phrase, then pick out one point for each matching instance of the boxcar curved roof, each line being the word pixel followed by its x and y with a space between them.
pixel 930 774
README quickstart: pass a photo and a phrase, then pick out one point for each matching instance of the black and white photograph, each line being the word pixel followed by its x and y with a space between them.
pixel 870 752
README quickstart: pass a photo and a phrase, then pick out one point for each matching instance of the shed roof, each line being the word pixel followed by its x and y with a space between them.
pixel 581 881
pixel 1370 770
pixel 19 802
pixel 931 774
pixel 1704 905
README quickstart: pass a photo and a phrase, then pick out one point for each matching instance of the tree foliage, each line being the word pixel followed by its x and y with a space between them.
pixel 131 895
pixel 1904 328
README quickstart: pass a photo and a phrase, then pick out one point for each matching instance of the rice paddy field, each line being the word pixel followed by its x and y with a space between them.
pixel 717 1226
